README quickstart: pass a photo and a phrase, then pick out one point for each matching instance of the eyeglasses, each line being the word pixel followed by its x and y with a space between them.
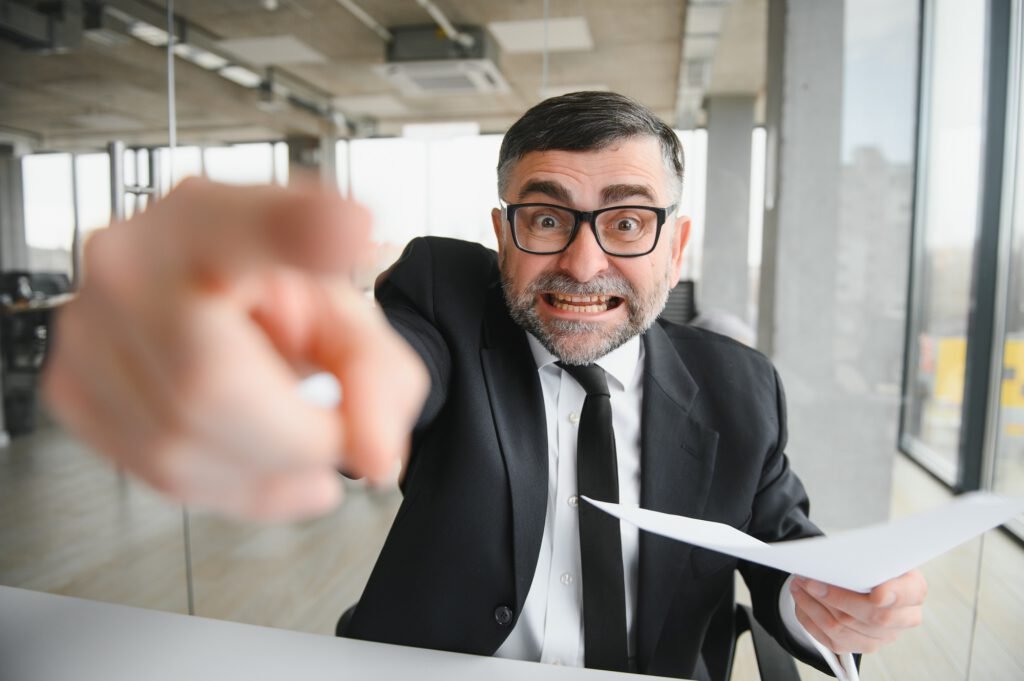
pixel 621 231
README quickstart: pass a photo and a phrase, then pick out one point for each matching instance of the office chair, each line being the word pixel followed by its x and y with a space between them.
pixel 681 306
pixel 773 662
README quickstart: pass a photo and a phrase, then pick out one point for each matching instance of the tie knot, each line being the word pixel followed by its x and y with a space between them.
pixel 590 376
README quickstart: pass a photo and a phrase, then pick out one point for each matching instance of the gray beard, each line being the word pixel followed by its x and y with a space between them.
pixel 580 342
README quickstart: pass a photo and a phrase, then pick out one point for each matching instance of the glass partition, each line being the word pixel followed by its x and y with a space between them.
pixel 946 224
pixel 1008 465
pixel 70 523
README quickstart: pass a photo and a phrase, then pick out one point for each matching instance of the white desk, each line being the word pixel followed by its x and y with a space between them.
pixel 44 637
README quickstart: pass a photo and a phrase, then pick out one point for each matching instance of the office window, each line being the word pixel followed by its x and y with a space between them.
pixel 462 187
pixel 240 163
pixel 92 172
pixel 49 212
pixel 1009 438
pixel 946 224
pixel 387 175
pixel 695 149
pixel 184 162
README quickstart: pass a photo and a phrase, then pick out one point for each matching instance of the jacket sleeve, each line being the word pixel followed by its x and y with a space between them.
pixel 406 293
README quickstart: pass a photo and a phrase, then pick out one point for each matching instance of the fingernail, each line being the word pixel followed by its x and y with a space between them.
pixel 817 589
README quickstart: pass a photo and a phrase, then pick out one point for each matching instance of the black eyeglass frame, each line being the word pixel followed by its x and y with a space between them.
pixel 590 217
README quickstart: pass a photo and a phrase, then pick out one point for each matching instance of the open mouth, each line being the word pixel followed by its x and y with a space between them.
pixel 574 303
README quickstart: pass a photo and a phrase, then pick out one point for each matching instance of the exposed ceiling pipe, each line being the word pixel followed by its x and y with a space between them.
pixel 449 30
pixel 368 21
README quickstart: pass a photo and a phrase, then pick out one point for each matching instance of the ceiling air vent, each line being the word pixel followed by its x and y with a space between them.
pixel 422 61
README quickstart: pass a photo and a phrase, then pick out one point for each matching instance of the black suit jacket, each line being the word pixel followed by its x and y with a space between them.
pixel 460 557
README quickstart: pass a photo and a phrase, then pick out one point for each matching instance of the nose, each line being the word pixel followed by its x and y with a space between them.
pixel 584 259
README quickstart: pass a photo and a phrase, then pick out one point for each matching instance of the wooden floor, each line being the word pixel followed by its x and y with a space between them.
pixel 70 524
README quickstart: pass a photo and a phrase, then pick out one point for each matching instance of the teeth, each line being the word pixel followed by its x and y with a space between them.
pixel 562 298
pixel 573 303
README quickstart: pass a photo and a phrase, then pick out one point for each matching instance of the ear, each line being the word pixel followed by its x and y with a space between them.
pixel 681 234
pixel 499 232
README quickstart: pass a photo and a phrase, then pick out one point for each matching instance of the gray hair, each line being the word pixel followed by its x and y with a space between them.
pixel 588 121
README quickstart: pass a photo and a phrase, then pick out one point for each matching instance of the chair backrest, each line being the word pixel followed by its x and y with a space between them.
pixel 681 307
pixel 773 662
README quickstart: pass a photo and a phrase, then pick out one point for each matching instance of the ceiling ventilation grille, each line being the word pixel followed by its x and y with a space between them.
pixel 455 77
pixel 422 62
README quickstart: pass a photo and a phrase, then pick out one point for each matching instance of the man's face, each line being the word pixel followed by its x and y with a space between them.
pixel 582 303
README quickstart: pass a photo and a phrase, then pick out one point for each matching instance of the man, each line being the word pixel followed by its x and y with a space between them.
pixel 492 548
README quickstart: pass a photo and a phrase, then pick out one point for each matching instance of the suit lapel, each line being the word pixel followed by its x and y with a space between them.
pixel 517 405
pixel 677 463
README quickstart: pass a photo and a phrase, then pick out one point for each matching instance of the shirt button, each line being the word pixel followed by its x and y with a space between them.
pixel 503 615
pixel 566 579
pixel 574 501
pixel 574 418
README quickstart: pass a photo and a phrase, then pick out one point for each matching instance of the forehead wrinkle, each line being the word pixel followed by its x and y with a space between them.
pixel 548 188
pixel 620 192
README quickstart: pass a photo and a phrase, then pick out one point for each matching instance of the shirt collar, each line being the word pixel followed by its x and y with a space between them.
pixel 621 363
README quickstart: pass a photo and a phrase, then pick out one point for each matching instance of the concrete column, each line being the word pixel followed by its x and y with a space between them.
pixel 724 275
pixel 13 246
pixel 817 316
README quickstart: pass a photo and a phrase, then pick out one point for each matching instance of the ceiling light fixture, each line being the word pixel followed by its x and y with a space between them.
pixel 148 33
pixel 200 57
pixel 242 76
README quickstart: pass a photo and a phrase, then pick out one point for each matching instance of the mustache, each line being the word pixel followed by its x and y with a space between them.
pixel 608 284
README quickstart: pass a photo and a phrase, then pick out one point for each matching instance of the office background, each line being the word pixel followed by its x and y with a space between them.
pixel 853 170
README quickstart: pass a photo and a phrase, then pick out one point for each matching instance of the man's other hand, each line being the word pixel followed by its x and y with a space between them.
pixel 180 357
pixel 850 622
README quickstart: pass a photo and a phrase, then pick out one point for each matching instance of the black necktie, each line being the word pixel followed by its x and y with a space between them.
pixel 597 476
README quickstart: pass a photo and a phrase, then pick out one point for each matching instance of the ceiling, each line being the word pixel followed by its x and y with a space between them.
pixel 325 66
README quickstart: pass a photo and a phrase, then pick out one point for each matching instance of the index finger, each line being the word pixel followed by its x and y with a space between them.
pixel 219 230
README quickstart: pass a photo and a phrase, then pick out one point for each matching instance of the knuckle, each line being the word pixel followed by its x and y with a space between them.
pixel 164 474
pixel 189 189
pixel 95 246
pixel 844 619
pixel 109 267
pixel 167 464
pixel 882 618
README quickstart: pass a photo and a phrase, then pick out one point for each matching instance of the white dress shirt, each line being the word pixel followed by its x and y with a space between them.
pixel 550 627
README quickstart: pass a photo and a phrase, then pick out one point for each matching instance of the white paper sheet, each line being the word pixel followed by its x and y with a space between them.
pixel 858 559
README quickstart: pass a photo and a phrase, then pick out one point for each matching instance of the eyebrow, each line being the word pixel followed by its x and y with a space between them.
pixel 547 188
pixel 610 194
pixel 620 192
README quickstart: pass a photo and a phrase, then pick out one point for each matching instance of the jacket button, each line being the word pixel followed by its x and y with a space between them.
pixel 503 615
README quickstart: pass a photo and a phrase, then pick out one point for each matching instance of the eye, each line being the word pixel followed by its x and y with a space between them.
pixel 627 225
pixel 547 221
